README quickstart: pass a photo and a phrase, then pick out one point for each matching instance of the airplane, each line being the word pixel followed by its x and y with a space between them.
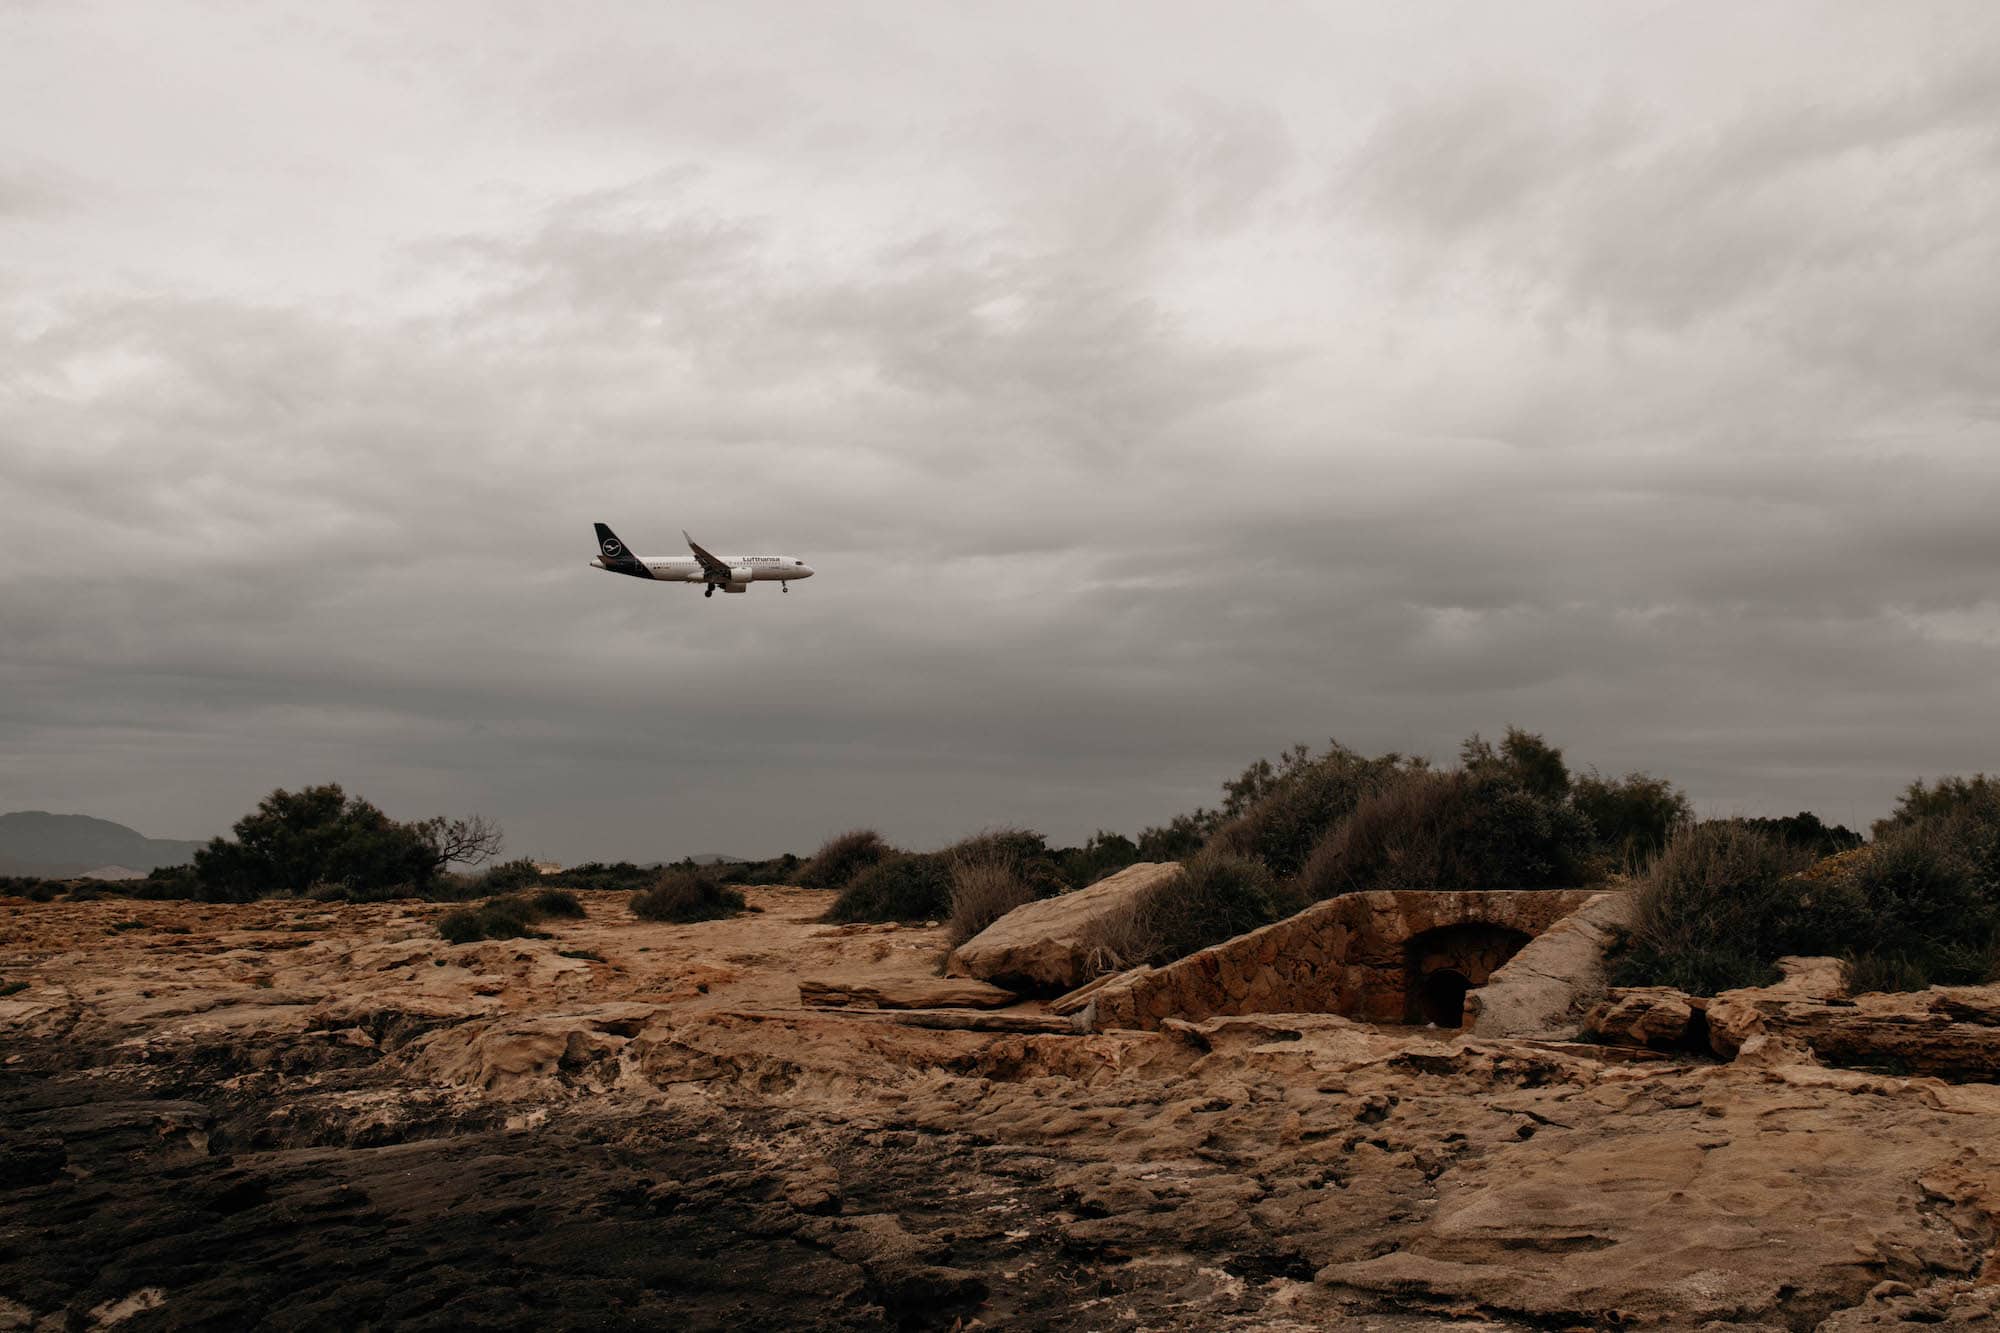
pixel 730 573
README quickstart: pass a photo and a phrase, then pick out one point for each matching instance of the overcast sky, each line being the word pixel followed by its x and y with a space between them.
pixel 1151 385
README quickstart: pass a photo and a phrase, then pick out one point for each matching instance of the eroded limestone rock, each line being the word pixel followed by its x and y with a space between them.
pixel 1644 1016
pixel 904 993
pixel 594 1130
pixel 1546 988
pixel 1945 1031
pixel 1054 944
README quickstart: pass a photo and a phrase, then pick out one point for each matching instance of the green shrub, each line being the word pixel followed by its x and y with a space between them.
pixel 1217 896
pixel 778 870
pixel 507 876
pixel 1179 838
pixel 294 840
pixel 499 919
pixel 1933 905
pixel 1023 852
pixel 167 883
pixel 32 887
pixel 1633 817
pixel 1805 829
pixel 917 886
pixel 981 893
pixel 684 894
pixel 549 903
pixel 1976 798
pixel 607 876
pixel 462 926
pixel 1105 854
pixel 1523 760
pixel 443 889
pixel 841 858
pixel 1451 831
pixel 909 886
pixel 1723 902
pixel 509 916
pixel 1295 807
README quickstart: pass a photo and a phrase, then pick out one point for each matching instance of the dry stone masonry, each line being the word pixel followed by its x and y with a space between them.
pixel 1383 956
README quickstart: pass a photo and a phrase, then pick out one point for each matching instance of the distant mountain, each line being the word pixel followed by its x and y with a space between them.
pixel 35 842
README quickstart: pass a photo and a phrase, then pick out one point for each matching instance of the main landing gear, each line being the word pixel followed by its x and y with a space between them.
pixel 709 591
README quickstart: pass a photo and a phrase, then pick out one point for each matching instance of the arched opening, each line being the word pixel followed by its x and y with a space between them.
pixel 1441 997
pixel 1441 965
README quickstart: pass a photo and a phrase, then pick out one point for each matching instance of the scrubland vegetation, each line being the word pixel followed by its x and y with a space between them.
pixel 918 886
pixel 841 858
pixel 1718 901
pixel 1918 906
pixel 509 916
pixel 687 893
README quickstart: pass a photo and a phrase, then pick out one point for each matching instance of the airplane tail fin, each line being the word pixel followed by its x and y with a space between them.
pixel 614 554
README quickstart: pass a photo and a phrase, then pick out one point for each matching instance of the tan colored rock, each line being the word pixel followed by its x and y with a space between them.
pixel 1764 1050
pixel 1731 1024
pixel 1918 1031
pixel 1427 1178
pixel 1643 1016
pixel 1967 1004
pixel 904 993
pixel 1074 1001
pixel 1053 944
pixel 1546 988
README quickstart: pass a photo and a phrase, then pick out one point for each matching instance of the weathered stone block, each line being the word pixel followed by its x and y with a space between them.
pixel 1049 945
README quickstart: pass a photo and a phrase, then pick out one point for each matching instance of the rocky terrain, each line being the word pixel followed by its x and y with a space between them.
pixel 300 1115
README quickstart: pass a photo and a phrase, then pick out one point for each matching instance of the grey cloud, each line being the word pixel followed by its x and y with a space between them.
pixel 1656 217
pixel 37 192
pixel 1119 466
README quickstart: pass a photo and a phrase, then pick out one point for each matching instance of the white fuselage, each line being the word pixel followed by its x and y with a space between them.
pixel 742 568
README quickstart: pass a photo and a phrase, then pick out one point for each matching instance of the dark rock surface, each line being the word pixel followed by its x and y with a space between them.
pixel 246 1206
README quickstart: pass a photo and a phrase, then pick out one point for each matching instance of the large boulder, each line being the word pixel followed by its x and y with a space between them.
pixel 1645 1016
pixel 1543 990
pixel 1053 945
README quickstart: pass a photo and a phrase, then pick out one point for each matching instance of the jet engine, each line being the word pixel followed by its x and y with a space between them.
pixel 742 574
pixel 736 587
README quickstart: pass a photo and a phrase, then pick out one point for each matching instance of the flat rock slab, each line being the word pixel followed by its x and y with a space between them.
pixel 1051 945
pixel 1544 990
pixel 915 993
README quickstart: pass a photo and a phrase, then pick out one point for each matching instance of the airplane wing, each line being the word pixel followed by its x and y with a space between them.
pixel 709 564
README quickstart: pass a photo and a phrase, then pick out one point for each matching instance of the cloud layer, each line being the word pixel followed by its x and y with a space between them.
pixel 1150 391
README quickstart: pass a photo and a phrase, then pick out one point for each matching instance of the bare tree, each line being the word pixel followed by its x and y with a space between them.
pixel 463 841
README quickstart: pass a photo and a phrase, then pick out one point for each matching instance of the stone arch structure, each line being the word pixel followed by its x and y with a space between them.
pixel 1441 964
pixel 1379 956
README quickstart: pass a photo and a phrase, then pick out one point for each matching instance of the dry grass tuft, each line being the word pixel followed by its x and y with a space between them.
pixel 983 891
